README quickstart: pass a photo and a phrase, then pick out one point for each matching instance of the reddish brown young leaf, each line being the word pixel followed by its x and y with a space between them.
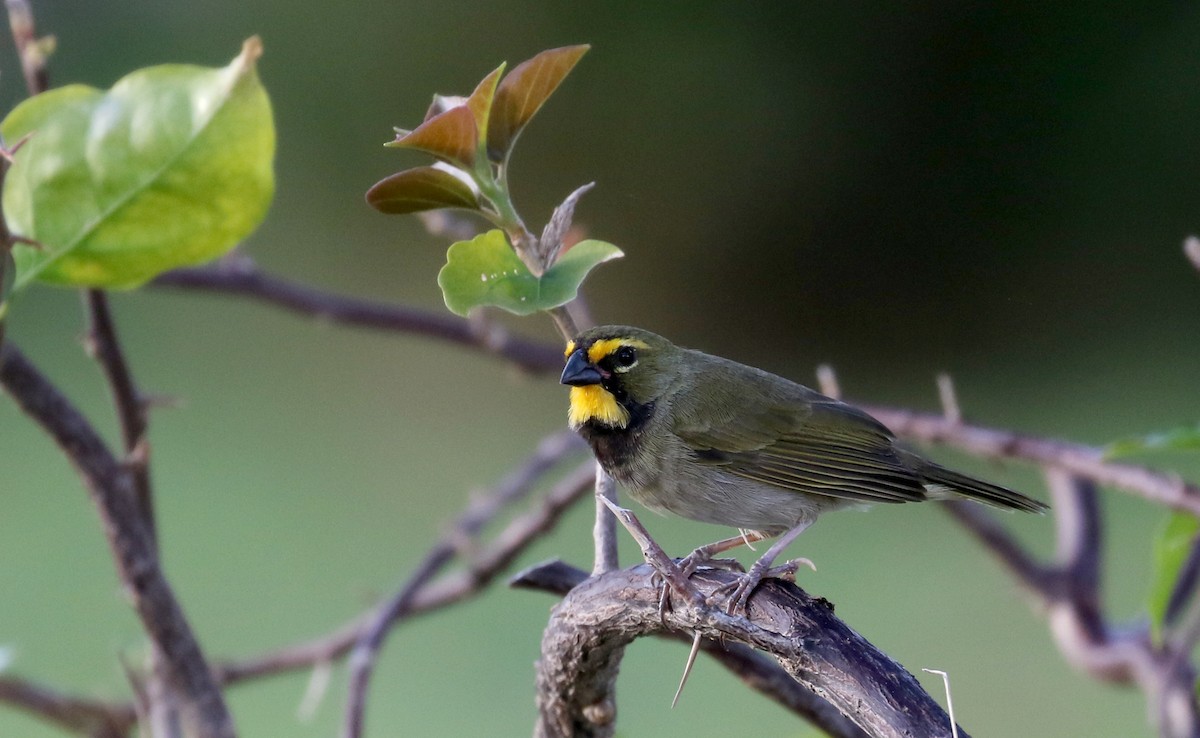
pixel 480 101
pixel 450 136
pixel 522 93
pixel 422 188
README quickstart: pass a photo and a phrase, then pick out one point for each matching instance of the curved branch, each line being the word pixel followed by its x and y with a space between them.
pixel 756 670
pixel 590 628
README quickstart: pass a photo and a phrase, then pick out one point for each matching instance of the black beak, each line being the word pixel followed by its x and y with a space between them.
pixel 579 372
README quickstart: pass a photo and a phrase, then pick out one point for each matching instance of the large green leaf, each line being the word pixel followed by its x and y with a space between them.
pixel 1178 439
pixel 1172 543
pixel 170 167
pixel 485 271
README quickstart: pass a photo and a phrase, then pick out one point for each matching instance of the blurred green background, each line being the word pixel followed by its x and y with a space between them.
pixel 995 190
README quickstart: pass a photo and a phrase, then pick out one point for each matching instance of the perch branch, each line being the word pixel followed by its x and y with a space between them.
pixel 754 669
pixel 590 628
pixel 111 489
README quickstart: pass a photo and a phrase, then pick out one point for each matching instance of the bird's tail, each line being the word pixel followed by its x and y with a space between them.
pixel 939 481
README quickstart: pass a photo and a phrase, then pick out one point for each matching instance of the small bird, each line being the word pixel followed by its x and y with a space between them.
pixel 721 442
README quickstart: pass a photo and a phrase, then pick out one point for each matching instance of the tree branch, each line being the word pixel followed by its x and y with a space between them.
pixel 484 566
pixel 1081 461
pixel 111 488
pixel 89 717
pixel 483 510
pixel 590 628
pixel 102 344
pixel 753 668
pixel 239 276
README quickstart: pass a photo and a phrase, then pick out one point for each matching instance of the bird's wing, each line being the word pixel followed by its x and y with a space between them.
pixel 798 440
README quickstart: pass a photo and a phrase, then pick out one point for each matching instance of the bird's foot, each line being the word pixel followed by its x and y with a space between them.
pixel 688 566
pixel 745 585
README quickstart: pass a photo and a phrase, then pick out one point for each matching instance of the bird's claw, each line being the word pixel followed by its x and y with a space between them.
pixel 745 585
pixel 688 566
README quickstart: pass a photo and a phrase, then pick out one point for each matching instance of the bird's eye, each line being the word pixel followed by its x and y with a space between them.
pixel 625 356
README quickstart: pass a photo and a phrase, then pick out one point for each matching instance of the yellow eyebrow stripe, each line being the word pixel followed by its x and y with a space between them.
pixel 602 348
pixel 570 349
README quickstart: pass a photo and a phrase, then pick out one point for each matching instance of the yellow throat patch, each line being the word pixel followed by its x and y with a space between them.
pixel 593 402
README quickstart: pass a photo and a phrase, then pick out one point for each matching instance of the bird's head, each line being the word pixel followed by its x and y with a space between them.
pixel 616 373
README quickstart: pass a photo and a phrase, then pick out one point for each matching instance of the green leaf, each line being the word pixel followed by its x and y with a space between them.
pixel 421 188
pixel 171 167
pixel 1172 543
pixel 522 93
pixel 1178 439
pixel 450 136
pixel 485 271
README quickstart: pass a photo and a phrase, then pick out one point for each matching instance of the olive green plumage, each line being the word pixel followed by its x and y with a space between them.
pixel 721 442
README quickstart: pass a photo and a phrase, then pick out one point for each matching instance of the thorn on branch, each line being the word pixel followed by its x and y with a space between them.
pixel 1191 249
pixel 949 399
pixel 827 381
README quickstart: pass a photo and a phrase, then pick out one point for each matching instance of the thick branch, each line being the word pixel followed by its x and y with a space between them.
pixel 753 668
pixel 112 491
pixel 590 628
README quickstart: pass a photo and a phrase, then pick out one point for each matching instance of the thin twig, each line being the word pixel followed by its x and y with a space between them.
pixel 30 49
pixel 1081 461
pixel 239 276
pixel 489 561
pixel 77 714
pixel 948 398
pixel 102 344
pixel 827 381
pixel 477 515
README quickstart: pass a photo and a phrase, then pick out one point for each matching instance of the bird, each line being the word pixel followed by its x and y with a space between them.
pixel 714 440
